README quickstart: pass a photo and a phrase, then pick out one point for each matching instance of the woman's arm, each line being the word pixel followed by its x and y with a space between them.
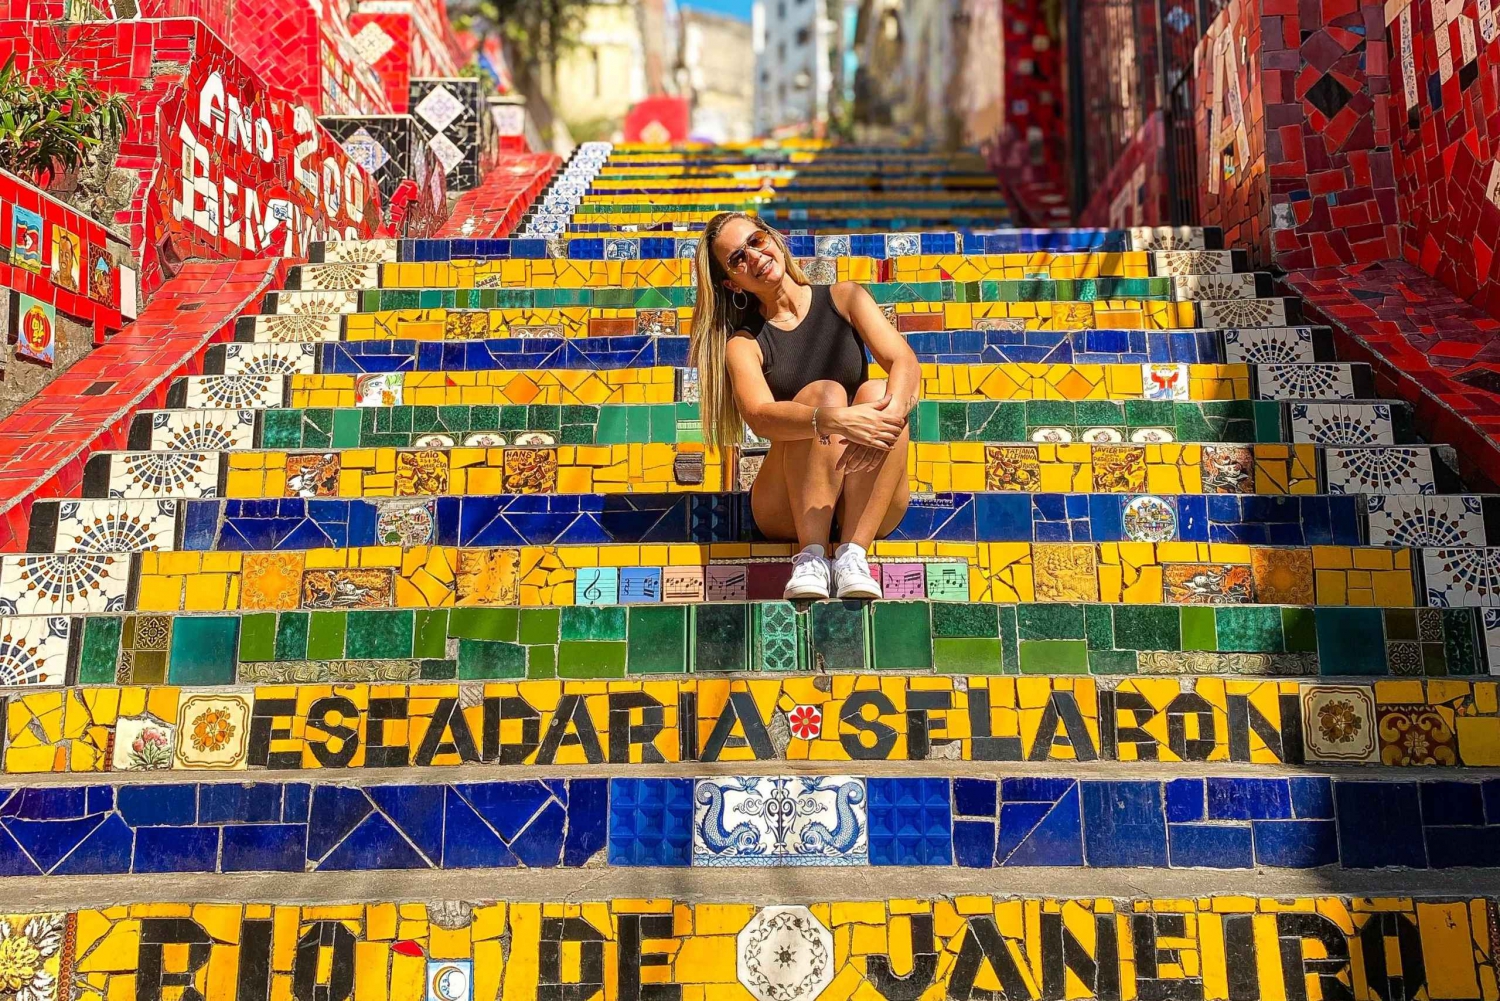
pixel 865 424
pixel 904 373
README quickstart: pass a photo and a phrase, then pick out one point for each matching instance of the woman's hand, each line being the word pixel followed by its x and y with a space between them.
pixel 861 458
pixel 873 425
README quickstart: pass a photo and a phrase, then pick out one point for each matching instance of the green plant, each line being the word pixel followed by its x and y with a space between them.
pixel 54 124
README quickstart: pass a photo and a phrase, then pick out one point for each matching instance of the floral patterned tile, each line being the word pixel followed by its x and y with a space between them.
pixel 63 584
pixel 113 526
pixel 1270 346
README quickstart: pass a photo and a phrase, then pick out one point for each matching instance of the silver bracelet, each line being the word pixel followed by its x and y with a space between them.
pixel 822 438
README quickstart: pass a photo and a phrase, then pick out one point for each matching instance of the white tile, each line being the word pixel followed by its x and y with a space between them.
pixel 1425 520
pixel 234 392
pixel 270 359
pixel 1220 287
pixel 1462 578
pixel 360 251
pixel 780 821
pixel 317 301
pixel 1339 721
pixel 292 328
pixel 63 584
pixel 203 430
pixel 1269 346
pixel 1242 313
pixel 34 650
pixel 339 276
pixel 1315 381
pixel 116 526
pixel 164 474
pixel 1386 469
pixel 1166 238
pixel 1342 424
pixel 1192 262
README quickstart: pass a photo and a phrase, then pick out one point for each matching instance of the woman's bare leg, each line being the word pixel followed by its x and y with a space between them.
pixel 874 500
pixel 797 499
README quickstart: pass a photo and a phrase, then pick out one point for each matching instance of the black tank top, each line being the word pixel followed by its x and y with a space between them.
pixel 823 346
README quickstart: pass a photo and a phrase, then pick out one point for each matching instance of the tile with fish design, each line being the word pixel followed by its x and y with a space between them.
pixel 780 821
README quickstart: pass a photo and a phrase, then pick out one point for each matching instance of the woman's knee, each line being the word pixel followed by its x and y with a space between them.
pixel 870 391
pixel 823 393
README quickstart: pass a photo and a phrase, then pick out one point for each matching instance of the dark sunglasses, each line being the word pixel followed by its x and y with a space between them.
pixel 760 241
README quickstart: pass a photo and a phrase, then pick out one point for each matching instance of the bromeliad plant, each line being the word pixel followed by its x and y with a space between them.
pixel 52 127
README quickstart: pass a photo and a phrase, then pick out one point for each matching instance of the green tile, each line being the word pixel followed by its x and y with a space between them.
pixel 970 655
pixel 345 428
pixel 778 633
pixel 325 636
pixel 100 652
pixel 1060 621
pixel 902 635
pixel 1299 627
pixel 1461 641
pixel 430 635
pixel 438 669
pixel 593 622
pixel 1198 632
pixel 291 636
pixel 658 639
pixel 1112 662
pixel 203 650
pixel 838 636
pixel 258 637
pixel 541 662
pixel 721 634
pixel 1099 626
pixel 1009 640
pixel 482 660
pixel 1054 657
pixel 380 635
pixel 281 428
pixel 1151 627
pixel 484 623
pixel 539 625
pixel 960 619
pixel 1249 629
pixel 590 659
pixel 1350 641
pixel 663 423
pixel 611 429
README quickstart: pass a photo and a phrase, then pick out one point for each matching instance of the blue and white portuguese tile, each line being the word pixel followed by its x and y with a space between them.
pixel 1462 577
pixel 1385 469
pixel 34 650
pixel 63 584
pixel 758 820
pixel 1342 424
pixel 234 392
pixel 1242 313
pixel 203 430
pixel 1166 238
pixel 270 359
pixel 1316 381
pixel 1425 520
pixel 116 526
pixel 163 474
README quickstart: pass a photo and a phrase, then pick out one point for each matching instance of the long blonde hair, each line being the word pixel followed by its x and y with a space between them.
pixel 715 319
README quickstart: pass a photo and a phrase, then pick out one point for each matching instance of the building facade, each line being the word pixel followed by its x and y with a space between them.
pixel 793 40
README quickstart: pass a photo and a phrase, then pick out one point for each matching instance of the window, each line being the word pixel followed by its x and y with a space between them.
pixel 804 35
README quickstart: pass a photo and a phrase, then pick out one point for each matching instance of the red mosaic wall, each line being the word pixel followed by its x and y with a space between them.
pixel 90 292
pixel 1135 192
pixel 1030 151
pixel 495 207
pixel 1229 125
pixel 176 73
pixel 1445 115
pixel 385 40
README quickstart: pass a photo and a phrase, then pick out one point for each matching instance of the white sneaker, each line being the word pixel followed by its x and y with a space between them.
pixel 810 576
pixel 852 572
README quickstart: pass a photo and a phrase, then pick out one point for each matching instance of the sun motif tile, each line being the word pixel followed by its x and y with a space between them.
pixel 1192 262
pixel 1342 423
pixel 64 584
pixel 1241 313
pixel 317 302
pixel 1462 577
pixel 339 276
pixel 269 359
pixel 234 392
pixel 34 650
pixel 1160 238
pixel 1338 723
pixel 1429 520
pixel 115 526
pixel 1327 381
pixel 164 474
pixel 780 821
pixel 1270 346
pixel 1379 469
pixel 202 430
pixel 360 251
pixel 1226 286
pixel 296 328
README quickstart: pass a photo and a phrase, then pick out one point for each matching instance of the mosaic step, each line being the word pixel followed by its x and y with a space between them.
pixel 1326 380
pixel 813 201
pixel 881 246
pixel 402 426
pixel 664 384
pixel 840 820
pixel 585 947
pixel 438 576
pixel 968 722
pixel 480 644
pixel 1153 299
pixel 1123 275
pixel 654 312
pixel 491 517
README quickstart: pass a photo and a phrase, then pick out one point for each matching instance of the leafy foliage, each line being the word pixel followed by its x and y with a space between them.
pixel 538 30
pixel 54 125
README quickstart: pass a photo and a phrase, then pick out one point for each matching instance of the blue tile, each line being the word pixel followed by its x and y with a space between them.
pixel 232 802
pixel 295 799
pixel 1454 847
pixel 470 843
pixel 265 848
pixel 1124 824
pixel 50 841
pixel 58 803
pixel 588 819
pixel 506 806
pixel 374 844
pixel 176 849
pixel 651 822
pixel 974 843
pixel 1041 833
pixel 1295 844
pixel 105 850
pixel 1184 800
pixel 417 812
pixel 1210 846
pixel 1312 797
pixel 974 797
pixel 1380 824
pixel 1249 799
pixel 540 844
pixel 1448 803
pixel 909 822
pixel 336 810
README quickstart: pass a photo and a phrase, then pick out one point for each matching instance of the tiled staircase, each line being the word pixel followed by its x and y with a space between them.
pixel 1179 614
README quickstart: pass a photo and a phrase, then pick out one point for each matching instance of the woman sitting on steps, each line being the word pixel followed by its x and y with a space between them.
pixel 788 359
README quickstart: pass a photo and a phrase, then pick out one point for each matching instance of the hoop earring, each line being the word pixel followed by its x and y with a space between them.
pixel 737 296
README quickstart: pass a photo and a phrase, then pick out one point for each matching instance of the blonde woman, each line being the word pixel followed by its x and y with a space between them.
pixel 789 359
